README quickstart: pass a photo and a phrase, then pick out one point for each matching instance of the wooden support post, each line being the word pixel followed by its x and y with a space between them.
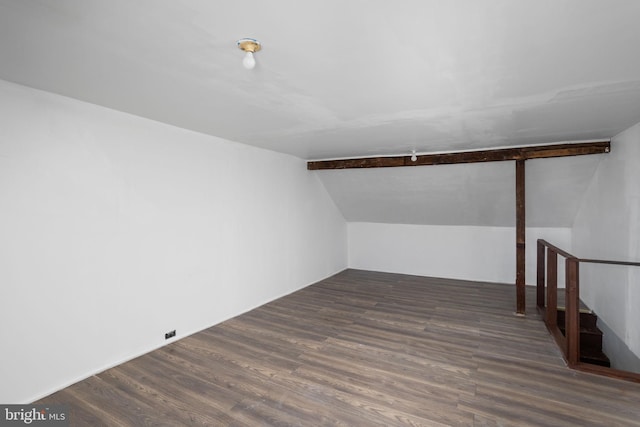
pixel 572 314
pixel 551 313
pixel 520 238
pixel 540 278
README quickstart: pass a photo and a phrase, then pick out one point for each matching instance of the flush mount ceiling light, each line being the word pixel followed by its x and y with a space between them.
pixel 250 46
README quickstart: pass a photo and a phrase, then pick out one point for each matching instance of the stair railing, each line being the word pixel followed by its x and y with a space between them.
pixel 547 303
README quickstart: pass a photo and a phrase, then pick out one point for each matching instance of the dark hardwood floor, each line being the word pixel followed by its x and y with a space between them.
pixel 361 349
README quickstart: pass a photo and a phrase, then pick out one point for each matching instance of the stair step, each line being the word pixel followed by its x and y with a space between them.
pixel 595 357
pixel 585 331
pixel 588 319
pixel 582 309
pixel 589 338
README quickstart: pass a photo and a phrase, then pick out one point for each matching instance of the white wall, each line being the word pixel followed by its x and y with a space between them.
pixel 116 229
pixel 607 226
pixel 459 252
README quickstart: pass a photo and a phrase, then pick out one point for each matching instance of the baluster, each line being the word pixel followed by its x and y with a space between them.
pixel 540 276
pixel 572 315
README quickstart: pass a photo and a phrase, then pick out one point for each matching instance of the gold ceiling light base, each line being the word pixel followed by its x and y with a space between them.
pixel 250 46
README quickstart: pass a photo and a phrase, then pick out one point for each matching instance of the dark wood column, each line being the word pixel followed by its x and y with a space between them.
pixel 520 238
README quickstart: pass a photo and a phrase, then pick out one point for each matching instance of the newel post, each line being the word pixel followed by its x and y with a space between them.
pixel 572 315
pixel 551 312
pixel 540 276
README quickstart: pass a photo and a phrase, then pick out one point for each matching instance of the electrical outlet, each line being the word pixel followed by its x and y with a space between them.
pixel 170 334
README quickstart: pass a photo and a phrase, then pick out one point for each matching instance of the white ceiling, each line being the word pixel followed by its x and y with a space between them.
pixel 353 78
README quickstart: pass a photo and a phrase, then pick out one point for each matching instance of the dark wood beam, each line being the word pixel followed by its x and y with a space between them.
pixel 520 238
pixel 498 155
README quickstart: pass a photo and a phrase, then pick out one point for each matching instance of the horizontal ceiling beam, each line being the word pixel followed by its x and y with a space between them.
pixel 497 155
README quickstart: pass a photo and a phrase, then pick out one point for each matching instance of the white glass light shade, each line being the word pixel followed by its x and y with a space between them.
pixel 249 61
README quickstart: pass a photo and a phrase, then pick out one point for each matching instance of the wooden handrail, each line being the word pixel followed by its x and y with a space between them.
pixel 556 249
pixel 604 261
pixel 587 260
pixel 548 278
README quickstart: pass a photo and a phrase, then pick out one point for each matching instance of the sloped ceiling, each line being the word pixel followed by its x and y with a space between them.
pixel 354 78
pixel 478 194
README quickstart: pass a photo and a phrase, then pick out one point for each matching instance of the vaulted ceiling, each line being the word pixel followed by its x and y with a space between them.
pixel 357 78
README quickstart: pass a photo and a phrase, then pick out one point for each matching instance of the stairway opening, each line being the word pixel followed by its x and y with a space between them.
pixel 590 337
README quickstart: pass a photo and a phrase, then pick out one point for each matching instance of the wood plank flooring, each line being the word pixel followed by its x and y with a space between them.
pixel 361 349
